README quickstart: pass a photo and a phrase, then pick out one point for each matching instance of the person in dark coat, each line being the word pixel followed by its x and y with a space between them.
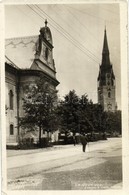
pixel 84 140
pixel 74 140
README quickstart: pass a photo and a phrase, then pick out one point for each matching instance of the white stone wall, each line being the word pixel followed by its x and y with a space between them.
pixel 11 115
pixel 108 100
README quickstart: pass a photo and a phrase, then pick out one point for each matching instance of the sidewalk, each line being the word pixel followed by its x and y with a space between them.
pixel 37 150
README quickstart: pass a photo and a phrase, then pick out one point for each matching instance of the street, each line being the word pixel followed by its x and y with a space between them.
pixel 67 167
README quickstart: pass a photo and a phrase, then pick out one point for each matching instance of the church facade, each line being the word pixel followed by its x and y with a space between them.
pixel 106 80
pixel 26 58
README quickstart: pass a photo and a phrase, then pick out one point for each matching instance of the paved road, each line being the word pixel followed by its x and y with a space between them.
pixel 68 168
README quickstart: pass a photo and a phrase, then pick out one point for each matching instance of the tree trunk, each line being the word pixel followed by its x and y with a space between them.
pixel 40 136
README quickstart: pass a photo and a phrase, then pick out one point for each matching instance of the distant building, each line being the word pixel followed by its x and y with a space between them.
pixel 106 80
pixel 25 59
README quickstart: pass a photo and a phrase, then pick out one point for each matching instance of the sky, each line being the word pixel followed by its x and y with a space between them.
pixel 78 33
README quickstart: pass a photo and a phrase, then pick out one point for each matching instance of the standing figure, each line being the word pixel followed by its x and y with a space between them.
pixel 74 140
pixel 84 141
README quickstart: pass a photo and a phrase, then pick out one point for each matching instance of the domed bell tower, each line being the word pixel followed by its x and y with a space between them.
pixel 106 80
pixel 43 60
pixel 44 47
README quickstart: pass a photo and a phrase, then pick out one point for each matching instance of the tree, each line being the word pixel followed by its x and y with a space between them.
pixel 39 107
pixel 75 113
pixel 67 112
pixel 113 122
pixel 98 117
pixel 86 114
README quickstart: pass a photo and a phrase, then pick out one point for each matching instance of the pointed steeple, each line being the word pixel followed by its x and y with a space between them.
pixel 105 43
pixel 105 52
pixel 106 80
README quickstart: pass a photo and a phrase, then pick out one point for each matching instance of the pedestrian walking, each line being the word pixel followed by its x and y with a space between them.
pixel 74 140
pixel 84 141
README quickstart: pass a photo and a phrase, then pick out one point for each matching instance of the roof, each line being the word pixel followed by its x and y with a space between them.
pixel 105 43
pixel 29 53
pixel 21 51
pixel 8 61
pixel 105 56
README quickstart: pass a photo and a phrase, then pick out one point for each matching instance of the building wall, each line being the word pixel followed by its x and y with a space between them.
pixel 109 102
pixel 25 82
pixel 18 84
pixel 11 114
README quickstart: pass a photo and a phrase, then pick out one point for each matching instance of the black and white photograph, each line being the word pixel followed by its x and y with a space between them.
pixel 63 96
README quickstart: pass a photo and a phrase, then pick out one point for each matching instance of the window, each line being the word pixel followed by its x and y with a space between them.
pixel 11 130
pixel 108 82
pixel 109 107
pixel 46 53
pixel 108 75
pixel 109 94
pixel 11 100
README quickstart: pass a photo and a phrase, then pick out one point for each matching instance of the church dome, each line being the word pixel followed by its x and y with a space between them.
pixel 46 33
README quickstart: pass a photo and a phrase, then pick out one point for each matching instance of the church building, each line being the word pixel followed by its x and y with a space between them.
pixel 26 58
pixel 106 80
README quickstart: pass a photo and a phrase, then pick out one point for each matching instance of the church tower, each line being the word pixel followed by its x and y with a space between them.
pixel 106 80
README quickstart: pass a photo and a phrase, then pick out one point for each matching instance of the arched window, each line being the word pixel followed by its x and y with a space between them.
pixel 109 94
pixel 11 100
pixel 109 107
pixel 46 53
pixel 11 130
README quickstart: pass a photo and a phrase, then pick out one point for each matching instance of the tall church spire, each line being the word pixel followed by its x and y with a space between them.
pixel 106 80
pixel 105 52
pixel 105 43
